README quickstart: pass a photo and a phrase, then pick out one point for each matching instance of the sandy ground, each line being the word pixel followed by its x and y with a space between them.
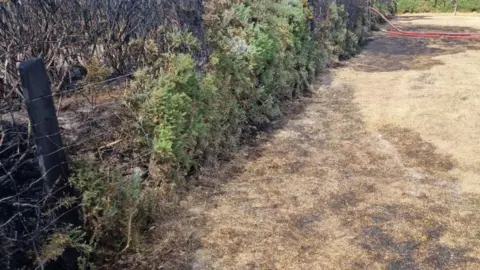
pixel 380 169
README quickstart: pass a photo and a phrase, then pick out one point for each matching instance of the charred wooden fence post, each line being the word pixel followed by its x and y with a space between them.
pixel 44 123
pixel 50 151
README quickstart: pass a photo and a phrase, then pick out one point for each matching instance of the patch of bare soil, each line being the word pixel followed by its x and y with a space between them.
pixel 379 171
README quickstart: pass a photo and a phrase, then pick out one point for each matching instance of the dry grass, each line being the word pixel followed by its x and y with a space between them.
pixel 437 94
pixel 380 171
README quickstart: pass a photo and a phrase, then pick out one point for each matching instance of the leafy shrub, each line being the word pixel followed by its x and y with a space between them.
pixel 173 105
pixel 116 209
pixel 96 71
pixel 62 239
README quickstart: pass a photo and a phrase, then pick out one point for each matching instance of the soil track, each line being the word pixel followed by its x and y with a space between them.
pixel 380 170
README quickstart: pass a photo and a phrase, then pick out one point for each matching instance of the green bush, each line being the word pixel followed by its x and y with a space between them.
pixel 177 106
pixel 109 201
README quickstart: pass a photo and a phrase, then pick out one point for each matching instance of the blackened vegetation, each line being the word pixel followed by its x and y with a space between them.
pixel 21 193
pixel 29 214
pixel 70 35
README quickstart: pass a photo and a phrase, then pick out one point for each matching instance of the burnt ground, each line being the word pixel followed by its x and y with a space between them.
pixel 20 189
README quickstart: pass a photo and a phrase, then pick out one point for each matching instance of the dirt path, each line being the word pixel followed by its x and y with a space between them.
pixel 381 170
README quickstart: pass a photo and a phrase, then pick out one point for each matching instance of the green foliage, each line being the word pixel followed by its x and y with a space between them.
pixel 59 241
pixel 110 202
pixel 413 6
pixel 173 105
pixel 336 30
pixel 387 8
pixel 338 39
pixel 96 71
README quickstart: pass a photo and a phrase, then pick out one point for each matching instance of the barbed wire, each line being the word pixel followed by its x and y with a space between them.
pixel 83 142
pixel 82 88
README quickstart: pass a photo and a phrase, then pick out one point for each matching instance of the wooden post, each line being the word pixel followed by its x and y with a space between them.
pixel 50 151
pixel 43 119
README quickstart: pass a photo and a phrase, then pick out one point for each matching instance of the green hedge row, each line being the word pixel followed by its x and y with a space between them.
pixel 263 52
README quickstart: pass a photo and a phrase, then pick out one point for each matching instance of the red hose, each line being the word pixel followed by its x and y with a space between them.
pixel 400 32
pixel 385 18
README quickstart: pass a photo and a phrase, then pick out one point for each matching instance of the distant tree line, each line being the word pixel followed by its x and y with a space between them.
pixel 438 5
